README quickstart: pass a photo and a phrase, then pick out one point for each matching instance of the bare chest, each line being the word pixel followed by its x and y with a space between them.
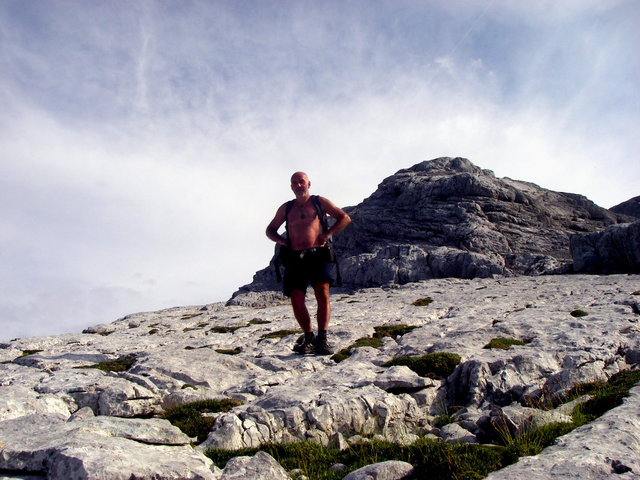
pixel 302 214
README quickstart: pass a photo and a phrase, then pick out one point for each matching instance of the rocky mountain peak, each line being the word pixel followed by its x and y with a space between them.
pixel 450 218
pixel 631 207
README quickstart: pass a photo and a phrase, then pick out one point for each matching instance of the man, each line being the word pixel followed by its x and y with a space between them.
pixel 307 262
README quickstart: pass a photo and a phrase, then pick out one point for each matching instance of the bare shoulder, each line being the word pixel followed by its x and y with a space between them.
pixel 329 207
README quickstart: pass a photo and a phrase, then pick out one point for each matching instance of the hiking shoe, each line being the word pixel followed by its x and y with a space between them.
pixel 322 347
pixel 304 346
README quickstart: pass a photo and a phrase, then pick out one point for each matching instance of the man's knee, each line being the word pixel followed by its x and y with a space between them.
pixel 297 297
pixel 322 291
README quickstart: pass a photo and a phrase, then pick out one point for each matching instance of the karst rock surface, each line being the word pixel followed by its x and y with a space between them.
pixel 62 420
pixel 449 218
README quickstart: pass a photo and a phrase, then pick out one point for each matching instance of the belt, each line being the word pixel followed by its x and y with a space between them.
pixel 303 253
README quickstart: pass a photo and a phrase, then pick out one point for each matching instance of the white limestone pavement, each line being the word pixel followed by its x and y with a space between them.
pixel 183 354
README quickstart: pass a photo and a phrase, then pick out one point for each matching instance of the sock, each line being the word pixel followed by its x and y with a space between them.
pixel 322 334
pixel 308 336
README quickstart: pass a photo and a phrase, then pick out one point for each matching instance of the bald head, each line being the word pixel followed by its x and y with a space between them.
pixel 300 184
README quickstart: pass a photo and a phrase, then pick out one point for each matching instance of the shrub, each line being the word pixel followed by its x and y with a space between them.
pixel 188 417
pixel 503 343
pixel 433 365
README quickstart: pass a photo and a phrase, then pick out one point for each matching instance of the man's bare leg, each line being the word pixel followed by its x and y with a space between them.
pixel 300 310
pixel 324 311
pixel 324 307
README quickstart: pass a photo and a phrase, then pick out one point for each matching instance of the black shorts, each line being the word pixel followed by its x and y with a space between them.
pixel 306 267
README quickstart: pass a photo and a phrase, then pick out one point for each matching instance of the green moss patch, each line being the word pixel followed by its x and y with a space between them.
pixel 374 341
pixel 189 419
pixel 392 330
pixel 121 364
pixel 432 365
pixel 229 351
pixel 29 352
pixel 280 334
pixel 361 342
pixel 503 343
pixel 579 313
pixel 423 302
pixel 225 329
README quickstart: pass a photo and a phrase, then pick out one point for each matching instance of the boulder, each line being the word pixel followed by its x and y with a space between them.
pixel 260 466
pixel 100 447
pixel 390 470
pixel 613 250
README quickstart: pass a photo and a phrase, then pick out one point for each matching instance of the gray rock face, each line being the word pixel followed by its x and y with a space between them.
pixel 449 218
pixel 260 466
pixel 631 207
pixel 67 422
pixel 613 250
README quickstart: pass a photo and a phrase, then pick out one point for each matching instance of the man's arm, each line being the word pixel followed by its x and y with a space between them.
pixel 276 223
pixel 342 219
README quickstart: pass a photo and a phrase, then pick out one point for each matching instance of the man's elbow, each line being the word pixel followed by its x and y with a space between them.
pixel 269 232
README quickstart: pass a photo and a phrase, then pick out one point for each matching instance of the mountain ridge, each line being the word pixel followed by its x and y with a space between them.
pixel 447 217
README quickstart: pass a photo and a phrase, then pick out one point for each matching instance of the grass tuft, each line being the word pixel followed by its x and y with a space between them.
pixel 432 365
pixel 432 460
pixel 503 343
pixel 188 417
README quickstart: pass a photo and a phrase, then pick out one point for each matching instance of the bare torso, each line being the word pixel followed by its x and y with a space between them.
pixel 304 227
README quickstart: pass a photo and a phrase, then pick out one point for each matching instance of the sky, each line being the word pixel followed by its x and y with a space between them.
pixel 145 145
